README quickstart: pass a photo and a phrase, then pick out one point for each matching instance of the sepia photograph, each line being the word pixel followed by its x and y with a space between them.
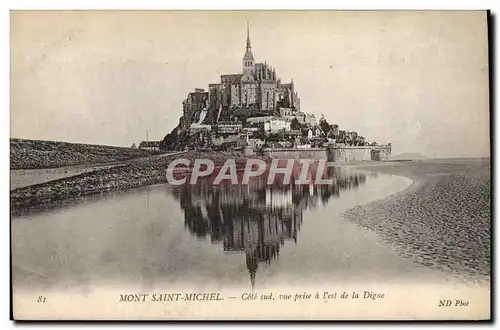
pixel 250 165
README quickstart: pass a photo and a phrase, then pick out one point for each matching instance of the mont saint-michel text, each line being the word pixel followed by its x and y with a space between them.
pixel 171 296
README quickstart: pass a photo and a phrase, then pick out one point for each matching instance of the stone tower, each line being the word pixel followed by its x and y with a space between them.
pixel 248 60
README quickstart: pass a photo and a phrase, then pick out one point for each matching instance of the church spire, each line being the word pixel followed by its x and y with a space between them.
pixel 248 60
pixel 249 46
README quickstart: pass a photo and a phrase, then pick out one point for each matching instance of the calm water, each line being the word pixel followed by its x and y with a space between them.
pixel 209 236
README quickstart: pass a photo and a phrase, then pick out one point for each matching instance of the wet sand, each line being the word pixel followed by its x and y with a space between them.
pixel 442 220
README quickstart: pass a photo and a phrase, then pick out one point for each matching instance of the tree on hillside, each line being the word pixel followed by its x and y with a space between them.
pixel 295 124
pixel 325 126
pixel 170 140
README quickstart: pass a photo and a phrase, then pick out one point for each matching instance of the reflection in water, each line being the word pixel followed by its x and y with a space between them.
pixel 257 218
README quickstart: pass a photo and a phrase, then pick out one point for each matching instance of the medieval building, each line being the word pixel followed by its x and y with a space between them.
pixel 256 89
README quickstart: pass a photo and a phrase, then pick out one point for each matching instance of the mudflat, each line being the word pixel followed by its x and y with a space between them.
pixel 443 220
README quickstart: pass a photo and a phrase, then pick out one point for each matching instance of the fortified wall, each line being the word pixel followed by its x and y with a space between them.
pixel 382 152
pixel 357 154
pixel 332 153
pixel 296 153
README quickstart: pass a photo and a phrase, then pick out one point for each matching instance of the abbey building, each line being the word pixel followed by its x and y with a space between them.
pixel 257 90
pixel 256 87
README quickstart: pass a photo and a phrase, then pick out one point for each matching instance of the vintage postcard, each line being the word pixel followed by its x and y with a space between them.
pixel 250 165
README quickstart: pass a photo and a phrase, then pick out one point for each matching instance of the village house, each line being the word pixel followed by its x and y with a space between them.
pixel 277 124
pixel 314 132
pixel 197 128
pixel 150 145
pixel 335 130
pixel 229 127
pixel 310 119
pixel 258 120
pixel 293 133
pixel 291 114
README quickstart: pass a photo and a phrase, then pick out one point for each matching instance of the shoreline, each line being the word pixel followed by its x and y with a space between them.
pixel 21 178
pixel 121 177
pixel 442 220
pixel 102 179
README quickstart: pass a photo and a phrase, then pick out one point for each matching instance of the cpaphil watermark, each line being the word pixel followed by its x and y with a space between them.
pixel 302 171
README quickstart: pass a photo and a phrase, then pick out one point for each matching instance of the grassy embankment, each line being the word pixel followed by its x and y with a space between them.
pixel 126 175
pixel 36 154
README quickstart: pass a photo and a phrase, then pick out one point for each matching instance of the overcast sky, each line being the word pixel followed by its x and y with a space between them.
pixel 416 79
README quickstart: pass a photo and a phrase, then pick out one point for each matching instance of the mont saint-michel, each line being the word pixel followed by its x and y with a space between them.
pixel 254 112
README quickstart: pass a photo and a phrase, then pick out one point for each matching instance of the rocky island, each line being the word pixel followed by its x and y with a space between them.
pixel 254 112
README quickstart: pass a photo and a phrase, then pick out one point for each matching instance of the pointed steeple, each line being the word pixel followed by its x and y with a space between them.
pixel 248 60
pixel 249 46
